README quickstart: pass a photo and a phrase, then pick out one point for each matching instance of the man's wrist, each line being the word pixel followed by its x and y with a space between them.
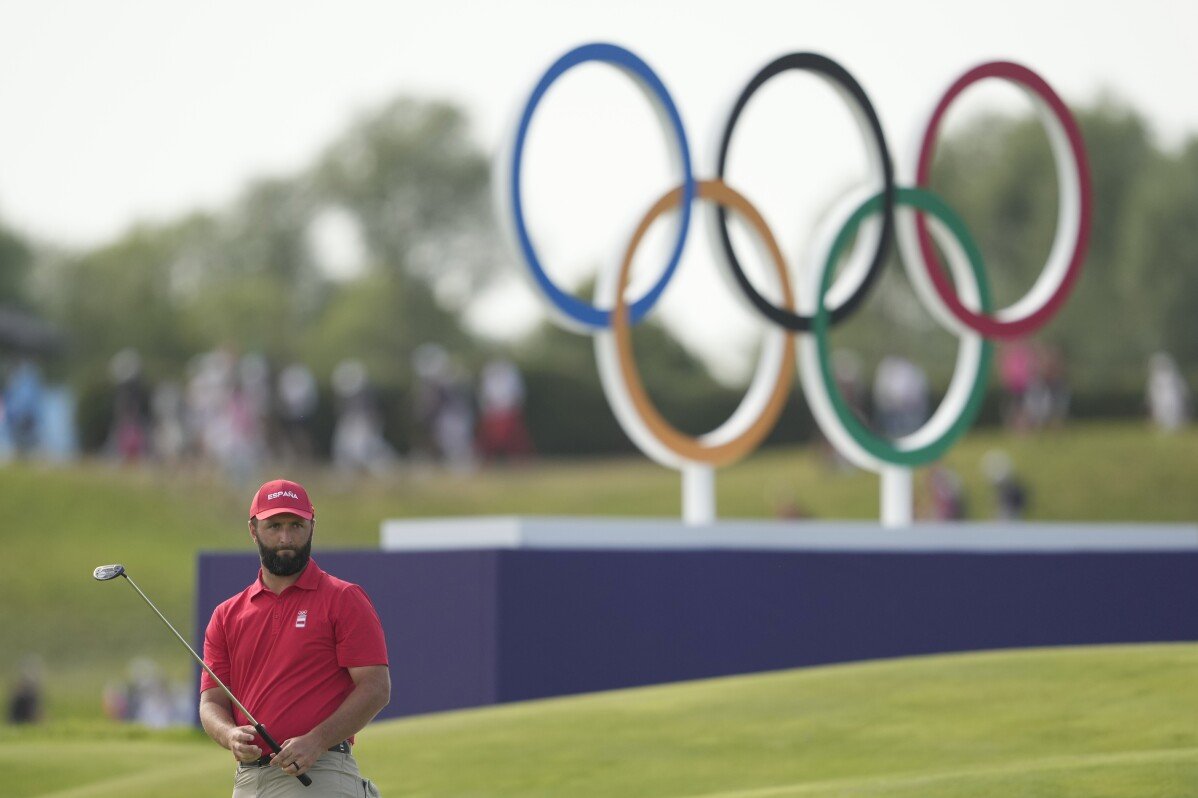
pixel 321 739
pixel 226 737
pixel 217 724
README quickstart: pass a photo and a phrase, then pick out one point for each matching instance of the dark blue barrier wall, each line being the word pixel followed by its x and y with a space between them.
pixel 467 628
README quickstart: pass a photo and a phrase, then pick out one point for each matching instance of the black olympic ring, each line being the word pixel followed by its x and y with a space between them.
pixel 842 80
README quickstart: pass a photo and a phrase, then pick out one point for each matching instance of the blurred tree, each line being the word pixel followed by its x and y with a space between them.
pixel 248 274
pixel 115 297
pixel 381 319
pixel 1123 161
pixel 1159 249
pixel 16 258
pixel 266 235
pixel 419 189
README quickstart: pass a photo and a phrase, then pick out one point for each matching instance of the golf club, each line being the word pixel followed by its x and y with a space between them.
pixel 105 573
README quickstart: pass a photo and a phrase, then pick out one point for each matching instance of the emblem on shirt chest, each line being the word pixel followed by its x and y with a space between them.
pixel 301 619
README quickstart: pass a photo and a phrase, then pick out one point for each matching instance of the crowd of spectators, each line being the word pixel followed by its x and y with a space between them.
pixel 239 412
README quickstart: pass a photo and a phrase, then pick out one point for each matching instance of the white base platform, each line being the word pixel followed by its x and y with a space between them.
pixel 565 532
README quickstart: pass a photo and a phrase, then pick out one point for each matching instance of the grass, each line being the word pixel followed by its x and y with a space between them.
pixel 1100 722
pixel 1103 722
pixel 59 523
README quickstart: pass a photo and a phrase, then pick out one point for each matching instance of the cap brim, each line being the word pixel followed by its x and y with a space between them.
pixel 280 510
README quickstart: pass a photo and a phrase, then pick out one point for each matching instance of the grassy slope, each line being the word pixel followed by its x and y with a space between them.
pixel 1110 722
pixel 60 523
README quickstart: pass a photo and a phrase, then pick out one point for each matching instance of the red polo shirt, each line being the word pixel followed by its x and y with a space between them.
pixel 285 656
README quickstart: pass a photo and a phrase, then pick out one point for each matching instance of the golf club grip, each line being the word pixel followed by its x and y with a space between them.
pixel 274 746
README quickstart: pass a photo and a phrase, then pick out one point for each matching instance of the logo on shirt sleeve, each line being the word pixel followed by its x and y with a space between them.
pixel 301 620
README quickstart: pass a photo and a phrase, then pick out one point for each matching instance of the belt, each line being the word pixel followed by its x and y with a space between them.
pixel 264 761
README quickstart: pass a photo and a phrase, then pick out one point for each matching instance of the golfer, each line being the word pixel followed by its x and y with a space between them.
pixel 304 651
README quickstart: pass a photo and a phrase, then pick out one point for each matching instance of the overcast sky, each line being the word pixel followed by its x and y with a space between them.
pixel 115 111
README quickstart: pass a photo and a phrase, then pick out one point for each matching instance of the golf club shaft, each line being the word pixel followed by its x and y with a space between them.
pixel 191 650
pixel 303 777
pixel 106 573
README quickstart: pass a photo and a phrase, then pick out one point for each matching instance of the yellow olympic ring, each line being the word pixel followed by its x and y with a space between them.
pixel 766 397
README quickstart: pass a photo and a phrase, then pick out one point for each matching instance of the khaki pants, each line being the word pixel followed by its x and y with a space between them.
pixel 334 775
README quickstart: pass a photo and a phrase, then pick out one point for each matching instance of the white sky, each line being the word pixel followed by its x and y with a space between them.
pixel 118 110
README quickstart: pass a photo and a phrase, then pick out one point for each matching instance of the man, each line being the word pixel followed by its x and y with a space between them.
pixel 304 651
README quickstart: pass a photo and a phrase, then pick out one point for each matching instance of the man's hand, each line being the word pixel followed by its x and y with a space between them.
pixel 298 754
pixel 240 741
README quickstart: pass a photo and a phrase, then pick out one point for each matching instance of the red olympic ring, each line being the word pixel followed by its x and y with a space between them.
pixel 1061 272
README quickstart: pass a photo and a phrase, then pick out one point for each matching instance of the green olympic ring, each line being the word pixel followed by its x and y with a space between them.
pixel 964 397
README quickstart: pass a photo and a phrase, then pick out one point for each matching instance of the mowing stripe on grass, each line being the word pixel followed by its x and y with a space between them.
pixel 127 783
pixel 1070 762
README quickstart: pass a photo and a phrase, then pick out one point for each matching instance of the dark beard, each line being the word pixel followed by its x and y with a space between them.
pixel 285 566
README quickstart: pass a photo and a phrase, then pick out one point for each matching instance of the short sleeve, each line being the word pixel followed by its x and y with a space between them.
pixel 216 652
pixel 359 633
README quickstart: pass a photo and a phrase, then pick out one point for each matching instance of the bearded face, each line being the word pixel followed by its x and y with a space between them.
pixel 285 560
pixel 284 543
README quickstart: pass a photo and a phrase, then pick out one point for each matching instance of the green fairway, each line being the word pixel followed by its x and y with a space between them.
pixel 60 523
pixel 1108 722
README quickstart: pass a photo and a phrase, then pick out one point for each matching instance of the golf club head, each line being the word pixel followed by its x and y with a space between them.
pixel 106 572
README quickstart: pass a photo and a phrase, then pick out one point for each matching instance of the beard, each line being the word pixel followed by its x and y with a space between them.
pixel 279 564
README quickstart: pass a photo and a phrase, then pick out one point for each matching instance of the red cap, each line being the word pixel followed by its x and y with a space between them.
pixel 281 496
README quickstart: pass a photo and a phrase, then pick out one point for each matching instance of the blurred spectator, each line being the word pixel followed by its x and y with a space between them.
pixel 430 364
pixel 1036 389
pixel 129 435
pixel 148 698
pixel 169 431
pixel 35 418
pixel 208 389
pixel 1010 494
pixel 59 438
pixel 1016 373
pixel 233 434
pixel 227 399
pixel 1167 394
pixel 454 425
pixel 239 441
pixel 502 432
pixel 444 409
pixel 25 701
pixel 1054 382
pixel 23 397
pixel 254 384
pixel 298 399
pixel 789 508
pixel 358 442
pixel 945 494
pixel 848 370
pixel 900 396
pixel 6 446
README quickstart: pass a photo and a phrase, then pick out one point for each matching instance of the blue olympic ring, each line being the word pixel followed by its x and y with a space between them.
pixel 581 312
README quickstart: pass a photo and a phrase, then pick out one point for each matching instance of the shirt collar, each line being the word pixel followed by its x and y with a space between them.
pixel 308 580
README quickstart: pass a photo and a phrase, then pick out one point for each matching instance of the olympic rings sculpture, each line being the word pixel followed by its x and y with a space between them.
pixel 961 304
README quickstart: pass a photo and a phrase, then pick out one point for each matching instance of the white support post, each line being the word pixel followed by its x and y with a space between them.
pixel 897 497
pixel 698 494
